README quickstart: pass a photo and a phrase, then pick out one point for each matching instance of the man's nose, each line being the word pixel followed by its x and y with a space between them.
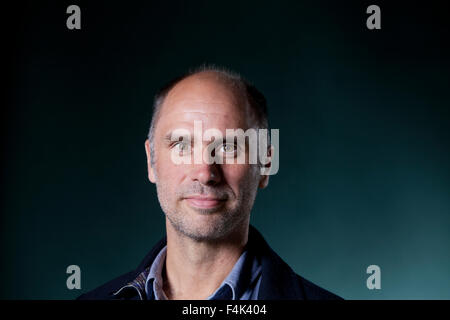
pixel 207 174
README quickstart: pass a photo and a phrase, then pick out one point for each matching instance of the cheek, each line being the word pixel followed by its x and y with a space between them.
pixel 169 172
pixel 240 177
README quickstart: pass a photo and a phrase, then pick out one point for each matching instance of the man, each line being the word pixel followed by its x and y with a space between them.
pixel 210 251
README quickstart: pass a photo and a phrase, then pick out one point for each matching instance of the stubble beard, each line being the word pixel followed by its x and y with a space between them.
pixel 224 220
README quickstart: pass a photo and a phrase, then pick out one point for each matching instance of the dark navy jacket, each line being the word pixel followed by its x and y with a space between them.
pixel 278 282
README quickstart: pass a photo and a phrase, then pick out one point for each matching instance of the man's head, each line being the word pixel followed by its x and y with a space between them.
pixel 201 200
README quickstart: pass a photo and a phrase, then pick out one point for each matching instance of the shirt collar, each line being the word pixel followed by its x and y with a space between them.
pixel 154 281
pixel 244 272
pixel 234 280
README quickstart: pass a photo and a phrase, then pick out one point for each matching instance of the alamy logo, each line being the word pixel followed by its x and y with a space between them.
pixel 374 20
pixel 74 20
pixel 231 149
pixel 374 281
pixel 74 280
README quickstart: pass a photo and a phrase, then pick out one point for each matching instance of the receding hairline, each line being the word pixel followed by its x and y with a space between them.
pixel 233 86
pixel 228 79
pixel 254 100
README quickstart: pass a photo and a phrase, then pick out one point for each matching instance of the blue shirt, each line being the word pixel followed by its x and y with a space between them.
pixel 242 283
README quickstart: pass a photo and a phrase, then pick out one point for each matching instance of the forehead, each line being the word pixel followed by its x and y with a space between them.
pixel 217 102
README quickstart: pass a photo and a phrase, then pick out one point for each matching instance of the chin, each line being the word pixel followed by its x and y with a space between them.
pixel 204 230
pixel 204 224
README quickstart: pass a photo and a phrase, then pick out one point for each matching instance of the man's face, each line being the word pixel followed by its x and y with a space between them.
pixel 203 201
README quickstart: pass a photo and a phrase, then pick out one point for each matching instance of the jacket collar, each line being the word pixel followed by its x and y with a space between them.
pixel 278 280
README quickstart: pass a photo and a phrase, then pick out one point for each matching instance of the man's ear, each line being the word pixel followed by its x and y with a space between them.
pixel 263 181
pixel 150 169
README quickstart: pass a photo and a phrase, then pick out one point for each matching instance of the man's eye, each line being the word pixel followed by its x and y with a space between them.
pixel 182 147
pixel 228 148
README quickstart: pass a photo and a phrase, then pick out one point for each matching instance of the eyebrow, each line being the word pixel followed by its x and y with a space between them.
pixel 168 138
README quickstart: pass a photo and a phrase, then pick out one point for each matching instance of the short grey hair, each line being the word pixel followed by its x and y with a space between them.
pixel 255 99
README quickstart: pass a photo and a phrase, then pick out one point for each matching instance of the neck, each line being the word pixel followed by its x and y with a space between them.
pixel 195 269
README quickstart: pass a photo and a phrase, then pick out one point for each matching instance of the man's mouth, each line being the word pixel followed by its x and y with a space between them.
pixel 204 202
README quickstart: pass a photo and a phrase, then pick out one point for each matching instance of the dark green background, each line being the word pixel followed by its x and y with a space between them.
pixel 364 138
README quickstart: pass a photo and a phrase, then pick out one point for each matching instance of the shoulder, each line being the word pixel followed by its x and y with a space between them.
pixel 279 280
pixel 105 291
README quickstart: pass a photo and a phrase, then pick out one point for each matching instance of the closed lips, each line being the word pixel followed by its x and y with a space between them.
pixel 204 202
